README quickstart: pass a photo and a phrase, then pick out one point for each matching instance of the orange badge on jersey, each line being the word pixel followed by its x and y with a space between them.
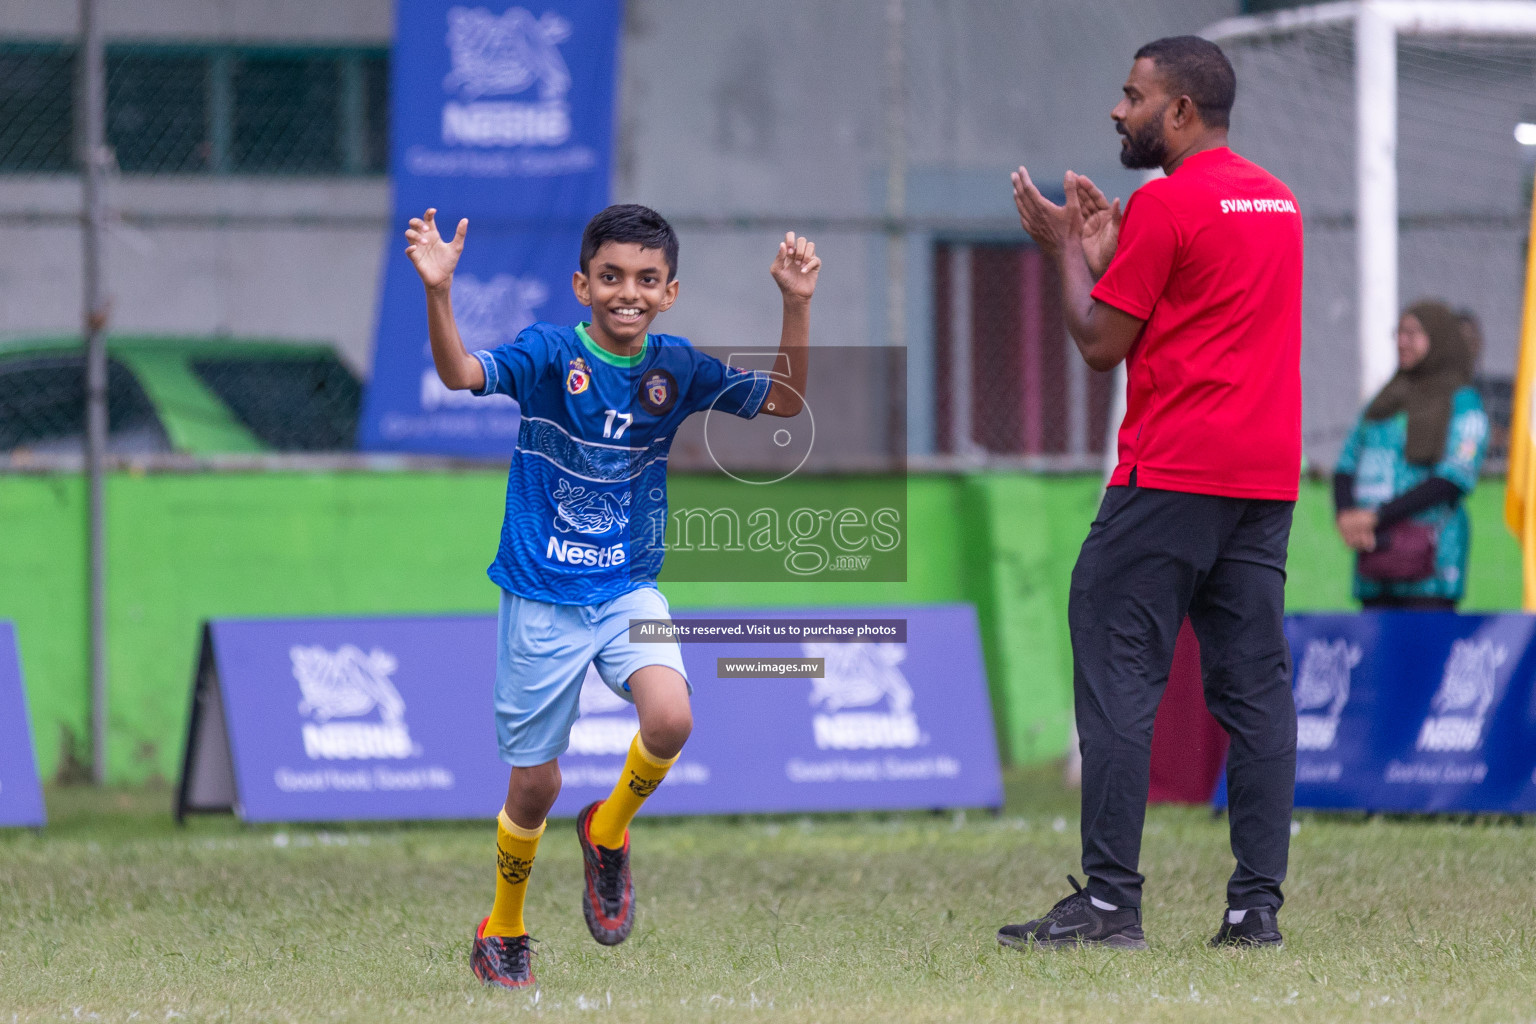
pixel 579 377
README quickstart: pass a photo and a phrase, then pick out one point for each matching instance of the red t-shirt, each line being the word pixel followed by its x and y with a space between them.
pixel 1210 257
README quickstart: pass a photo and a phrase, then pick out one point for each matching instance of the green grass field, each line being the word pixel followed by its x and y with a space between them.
pixel 114 914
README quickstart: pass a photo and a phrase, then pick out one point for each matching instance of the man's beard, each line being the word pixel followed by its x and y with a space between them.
pixel 1146 148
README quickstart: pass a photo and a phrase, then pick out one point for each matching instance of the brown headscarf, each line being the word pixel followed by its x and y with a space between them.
pixel 1425 391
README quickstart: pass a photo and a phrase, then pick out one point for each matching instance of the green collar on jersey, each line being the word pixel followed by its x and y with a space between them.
pixel 611 358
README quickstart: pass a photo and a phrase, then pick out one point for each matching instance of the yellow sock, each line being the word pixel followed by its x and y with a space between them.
pixel 515 847
pixel 643 772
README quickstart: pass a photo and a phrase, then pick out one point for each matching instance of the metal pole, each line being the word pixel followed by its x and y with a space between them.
pixel 962 423
pixel 1376 193
pixel 93 154
pixel 896 205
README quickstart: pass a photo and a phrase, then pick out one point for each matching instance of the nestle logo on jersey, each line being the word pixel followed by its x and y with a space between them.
pixel 1257 206
pixel 576 553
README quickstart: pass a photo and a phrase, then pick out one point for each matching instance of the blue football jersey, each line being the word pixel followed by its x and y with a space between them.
pixel 587 492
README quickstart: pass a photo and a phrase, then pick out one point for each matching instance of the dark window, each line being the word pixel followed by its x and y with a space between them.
pixel 1007 378
pixel 299 403
pixel 286 115
pixel 376 89
pixel 36 95
pixel 157 121
pixel 42 407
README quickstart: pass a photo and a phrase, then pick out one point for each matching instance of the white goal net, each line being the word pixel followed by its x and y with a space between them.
pixel 1464 82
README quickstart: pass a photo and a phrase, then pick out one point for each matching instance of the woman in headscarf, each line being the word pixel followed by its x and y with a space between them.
pixel 1405 470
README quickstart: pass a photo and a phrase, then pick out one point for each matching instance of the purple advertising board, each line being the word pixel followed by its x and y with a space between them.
pixel 391 718
pixel 21 799
pixel 1414 711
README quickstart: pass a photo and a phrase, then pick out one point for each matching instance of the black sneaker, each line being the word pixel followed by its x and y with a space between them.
pixel 608 898
pixel 1075 921
pixel 1257 928
pixel 505 961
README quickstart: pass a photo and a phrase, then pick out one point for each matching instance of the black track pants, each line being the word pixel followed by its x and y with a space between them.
pixel 1152 557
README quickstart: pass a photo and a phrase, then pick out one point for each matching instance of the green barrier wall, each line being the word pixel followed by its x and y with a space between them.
pixel 187 547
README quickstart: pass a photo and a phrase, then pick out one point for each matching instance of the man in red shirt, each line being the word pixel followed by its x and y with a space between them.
pixel 1199 291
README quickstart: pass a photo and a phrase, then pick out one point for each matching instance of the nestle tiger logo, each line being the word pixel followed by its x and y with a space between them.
pixel 501 56
pixel 1322 690
pixel 862 675
pixel 1459 709
pixel 349 684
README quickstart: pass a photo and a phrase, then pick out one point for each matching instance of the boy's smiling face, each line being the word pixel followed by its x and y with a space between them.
pixel 626 286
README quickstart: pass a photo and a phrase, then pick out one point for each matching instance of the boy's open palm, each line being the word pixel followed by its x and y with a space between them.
pixel 796 266
pixel 433 257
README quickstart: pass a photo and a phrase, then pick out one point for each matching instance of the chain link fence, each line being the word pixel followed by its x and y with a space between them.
pixel 202 109
pixel 1009 384
pixel 181 111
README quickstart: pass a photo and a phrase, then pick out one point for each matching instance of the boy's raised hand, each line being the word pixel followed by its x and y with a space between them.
pixel 796 267
pixel 434 258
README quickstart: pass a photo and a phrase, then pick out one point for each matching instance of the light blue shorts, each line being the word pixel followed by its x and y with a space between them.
pixel 542 654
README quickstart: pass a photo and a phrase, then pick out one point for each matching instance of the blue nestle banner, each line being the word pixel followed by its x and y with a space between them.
pixel 1414 711
pixel 503 115
pixel 332 719
pixel 21 799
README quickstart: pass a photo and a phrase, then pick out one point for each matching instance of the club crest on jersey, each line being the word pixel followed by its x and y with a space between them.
pixel 658 392
pixel 578 377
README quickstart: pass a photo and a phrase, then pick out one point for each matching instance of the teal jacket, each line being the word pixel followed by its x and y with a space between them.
pixel 1373 455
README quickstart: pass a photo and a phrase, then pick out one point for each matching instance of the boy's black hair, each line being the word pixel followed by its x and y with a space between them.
pixel 630 222
pixel 1196 68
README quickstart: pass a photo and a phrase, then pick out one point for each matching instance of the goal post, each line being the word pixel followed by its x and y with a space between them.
pixel 1330 78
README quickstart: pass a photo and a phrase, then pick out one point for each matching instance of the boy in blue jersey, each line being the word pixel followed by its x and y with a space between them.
pixel 600 404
